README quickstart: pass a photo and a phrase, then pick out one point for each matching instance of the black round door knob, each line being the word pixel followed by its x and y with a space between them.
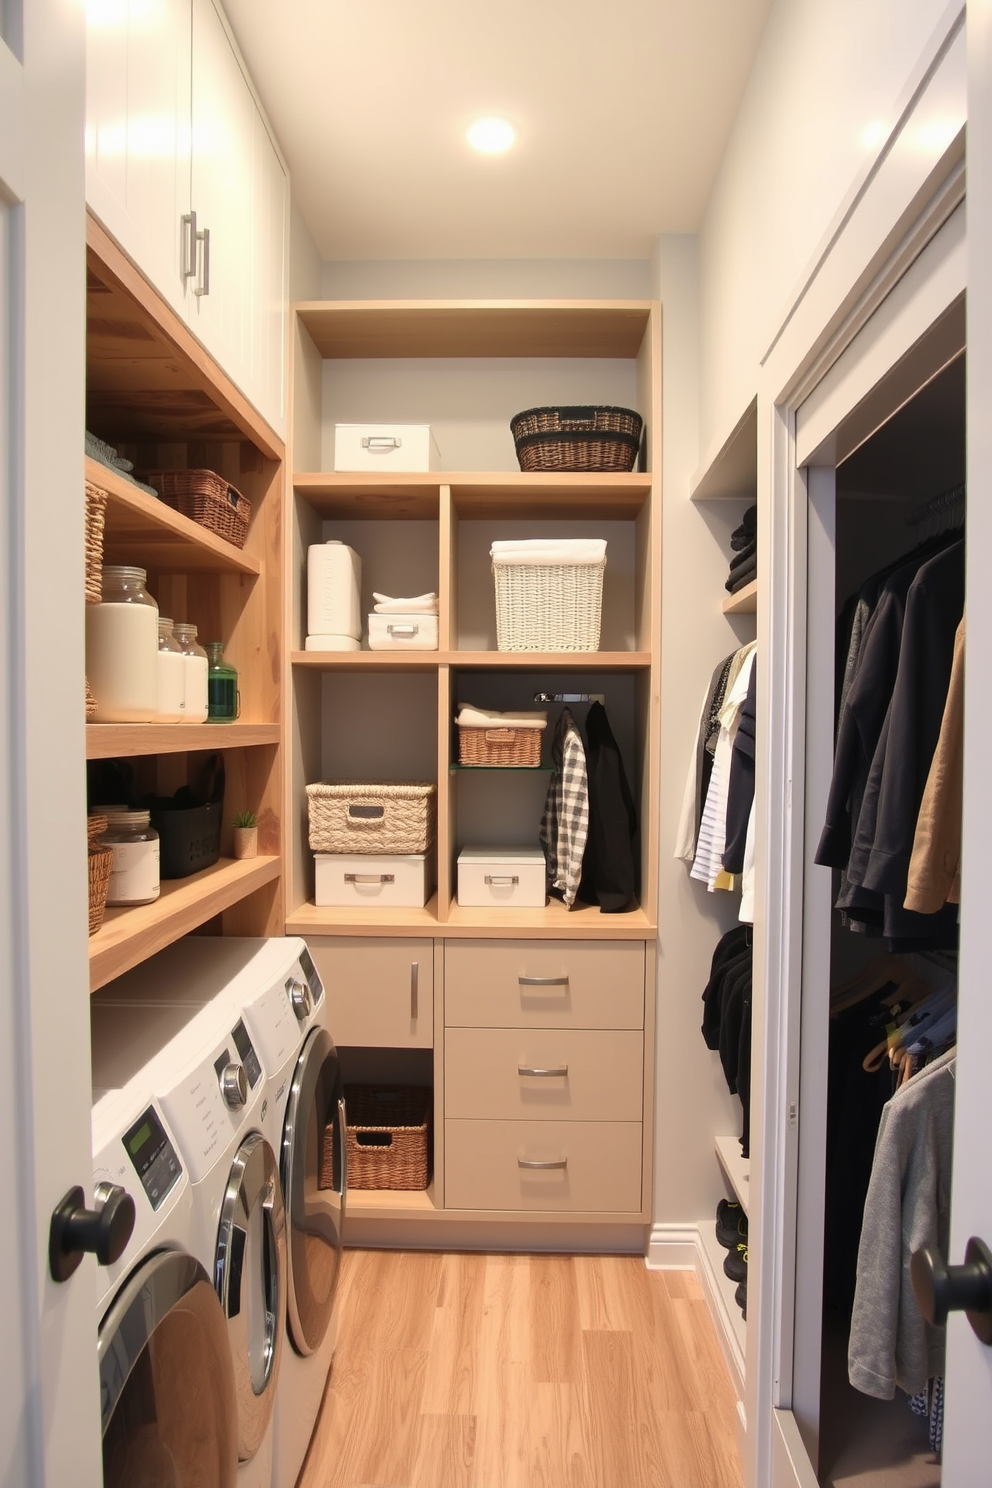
pixel 941 1289
pixel 75 1229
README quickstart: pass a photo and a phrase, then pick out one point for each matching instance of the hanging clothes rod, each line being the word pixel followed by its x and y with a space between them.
pixel 570 697
pixel 944 503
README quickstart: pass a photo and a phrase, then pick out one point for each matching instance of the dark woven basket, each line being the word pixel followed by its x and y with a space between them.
pixel 206 498
pixel 388 1137
pixel 577 438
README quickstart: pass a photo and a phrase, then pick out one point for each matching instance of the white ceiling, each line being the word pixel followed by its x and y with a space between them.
pixel 622 114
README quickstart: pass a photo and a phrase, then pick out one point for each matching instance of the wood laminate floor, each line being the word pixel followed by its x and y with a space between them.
pixel 508 1371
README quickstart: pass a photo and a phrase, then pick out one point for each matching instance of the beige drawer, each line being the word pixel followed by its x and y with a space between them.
pixel 600 1077
pixel 380 993
pixel 597 1166
pixel 544 984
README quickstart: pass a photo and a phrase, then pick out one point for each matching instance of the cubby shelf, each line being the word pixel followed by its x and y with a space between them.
pixel 553 922
pixel 141 529
pixel 428 661
pixel 129 936
pixel 744 602
pixel 475 495
pixel 128 740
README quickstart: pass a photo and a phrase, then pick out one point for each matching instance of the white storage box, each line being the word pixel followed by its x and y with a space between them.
pixel 371 880
pixel 402 632
pixel 502 878
pixel 385 447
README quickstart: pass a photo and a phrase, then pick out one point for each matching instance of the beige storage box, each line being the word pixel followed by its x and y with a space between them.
pixel 362 816
pixel 502 878
pixel 402 632
pixel 371 880
pixel 385 447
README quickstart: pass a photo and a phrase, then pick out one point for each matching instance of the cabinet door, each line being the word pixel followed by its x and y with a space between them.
pixel 138 132
pixel 380 993
pixel 270 287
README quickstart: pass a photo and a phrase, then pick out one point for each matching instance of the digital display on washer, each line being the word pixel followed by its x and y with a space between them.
pixel 154 1157
pixel 246 1050
pixel 312 975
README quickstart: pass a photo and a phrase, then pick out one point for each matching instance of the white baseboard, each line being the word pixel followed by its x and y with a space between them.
pixel 683 1248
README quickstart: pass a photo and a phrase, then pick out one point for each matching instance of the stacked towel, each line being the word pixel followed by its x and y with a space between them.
pixel 470 717
pixel 106 455
pixel 542 551
pixel 421 604
pixel 744 541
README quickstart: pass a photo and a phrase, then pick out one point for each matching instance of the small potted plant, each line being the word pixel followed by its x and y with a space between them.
pixel 246 835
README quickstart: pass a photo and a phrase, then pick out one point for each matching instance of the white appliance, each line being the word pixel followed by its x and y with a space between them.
pixel 197 1059
pixel 274 987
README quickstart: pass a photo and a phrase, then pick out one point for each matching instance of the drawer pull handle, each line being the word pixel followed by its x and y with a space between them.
pixel 414 990
pixel 403 630
pixel 526 1069
pixel 381 444
pixel 502 880
pixel 560 981
pixel 532 1162
pixel 370 878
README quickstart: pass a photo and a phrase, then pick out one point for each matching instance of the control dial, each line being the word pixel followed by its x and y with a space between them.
pixel 302 1002
pixel 234 1085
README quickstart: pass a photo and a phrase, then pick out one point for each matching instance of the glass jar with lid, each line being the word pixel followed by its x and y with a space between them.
pixel 171 675
pixel 196 672
pixel 134 874
pixel 223 700
pixel 122 648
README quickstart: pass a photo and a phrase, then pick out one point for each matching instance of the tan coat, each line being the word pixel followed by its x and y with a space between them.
pixel 935 867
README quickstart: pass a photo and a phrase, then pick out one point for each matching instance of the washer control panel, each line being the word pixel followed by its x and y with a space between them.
pixel 312 976
pixel 153 1156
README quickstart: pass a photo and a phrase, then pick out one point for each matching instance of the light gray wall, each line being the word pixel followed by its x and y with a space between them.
pixel 480 279
pixel 305 263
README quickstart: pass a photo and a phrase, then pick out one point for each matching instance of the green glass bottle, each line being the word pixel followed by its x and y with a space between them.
pixel 223 699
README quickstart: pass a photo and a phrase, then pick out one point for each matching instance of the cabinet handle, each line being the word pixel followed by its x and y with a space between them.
pixel 501 880
pixel 370 878
pixel 560 981
pixel 203 287
pixel 188 247
pixel 381 443
pixel 414 991
pixel 531 1162
pixel 403 630
pixel 526 1069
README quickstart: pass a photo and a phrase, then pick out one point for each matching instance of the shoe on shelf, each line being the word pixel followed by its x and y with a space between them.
pixel 735 1263
pixel 740 1297
pixel 731 1225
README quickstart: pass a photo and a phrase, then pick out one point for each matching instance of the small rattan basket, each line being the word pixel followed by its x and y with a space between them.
pixel 388 1136
pixel 510 747
pixel 350 816
pixel 101 860
pixel 96 512
pixel 548 607
pixel 206 498
pixel 587 438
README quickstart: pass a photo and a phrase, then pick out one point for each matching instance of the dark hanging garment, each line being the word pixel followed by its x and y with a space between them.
pixel 609 872
pixel 740 795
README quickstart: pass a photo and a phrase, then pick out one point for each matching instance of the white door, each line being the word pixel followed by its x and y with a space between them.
pixel 49 1404
pixel 138 132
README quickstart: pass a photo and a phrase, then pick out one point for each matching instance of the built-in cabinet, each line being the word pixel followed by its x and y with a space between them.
pixel 182 171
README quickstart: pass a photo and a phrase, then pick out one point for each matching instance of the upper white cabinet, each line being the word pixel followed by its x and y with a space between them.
pixel 182 171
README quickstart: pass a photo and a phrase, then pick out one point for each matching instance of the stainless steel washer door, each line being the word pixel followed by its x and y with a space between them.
pixel 250 1276
pixel 166 1382
pixel 314 1214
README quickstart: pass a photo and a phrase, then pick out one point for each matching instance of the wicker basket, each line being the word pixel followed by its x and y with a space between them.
pixel 101 860
pixel 577 438
pixel 499 746
pixel 548 607
pixel 96 512
pixel 388 1137
pixel 206 498
pixel 350 816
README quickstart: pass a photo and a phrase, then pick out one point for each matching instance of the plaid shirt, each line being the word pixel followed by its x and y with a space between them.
pixel 565 823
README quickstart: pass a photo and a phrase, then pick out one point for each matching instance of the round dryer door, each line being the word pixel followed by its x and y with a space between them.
pixel 166 1381
pixel 250 1275
pixel 314 1183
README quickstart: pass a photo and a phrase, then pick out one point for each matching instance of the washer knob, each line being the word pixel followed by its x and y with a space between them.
pixel 302 1002
pixel 234 1085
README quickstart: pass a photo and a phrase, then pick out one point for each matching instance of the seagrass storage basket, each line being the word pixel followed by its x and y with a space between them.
pixel 206 498
pixel 509 747
pixel 96 511
pixel 101 861
pixel 388 1137
pixel 577 438
pixel 548 607
pixel 351 816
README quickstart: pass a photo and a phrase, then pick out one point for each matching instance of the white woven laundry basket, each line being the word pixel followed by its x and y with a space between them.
pixel 548 607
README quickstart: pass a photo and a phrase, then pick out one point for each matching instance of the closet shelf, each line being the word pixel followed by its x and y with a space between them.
pixel 737 1168
pixel 141 529
pixel 475 494
pixel 730 470
pixel 120 740
pixel 744 602
pixel 725 1289
pixel 129 936
pixel 553 922
pixel 489 661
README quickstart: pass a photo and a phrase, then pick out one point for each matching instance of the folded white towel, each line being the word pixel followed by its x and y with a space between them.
pixel 550 550
pixel 470 717
pixel 420 604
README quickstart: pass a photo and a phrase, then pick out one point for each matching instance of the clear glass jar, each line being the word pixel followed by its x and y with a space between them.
pixel 223 699
pixel 134 875
pixel 196 672
pixel 122 648
pixel 171 675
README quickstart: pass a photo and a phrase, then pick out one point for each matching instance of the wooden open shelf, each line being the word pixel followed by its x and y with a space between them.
pixel 428 661
pixel 126 740
pixel 479 495
pixel 141 529
pixel 744 602
pixel 553 922
pixel 129 936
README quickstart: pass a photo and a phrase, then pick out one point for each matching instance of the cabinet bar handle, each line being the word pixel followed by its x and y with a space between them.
pixel 384 443
pixel 188 246
pixel 403 630
pixel 203 287
pixel 525 981
pixel 526 1069
pixel 531 1162
pixel 370 878
pixel 501 880
pixel 414 990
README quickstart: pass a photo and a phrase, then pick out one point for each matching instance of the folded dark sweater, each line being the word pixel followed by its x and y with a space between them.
pixel 743 534
pixel 744 554
pixel 743 575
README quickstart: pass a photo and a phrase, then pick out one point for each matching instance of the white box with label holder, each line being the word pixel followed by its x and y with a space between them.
pixel 385 447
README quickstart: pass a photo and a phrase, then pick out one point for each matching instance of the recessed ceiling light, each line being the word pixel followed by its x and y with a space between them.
pixel 491 136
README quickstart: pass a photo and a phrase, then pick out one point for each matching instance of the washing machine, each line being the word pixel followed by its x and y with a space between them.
pixel 198 1061
pixel 167 1389
pixel 275 988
